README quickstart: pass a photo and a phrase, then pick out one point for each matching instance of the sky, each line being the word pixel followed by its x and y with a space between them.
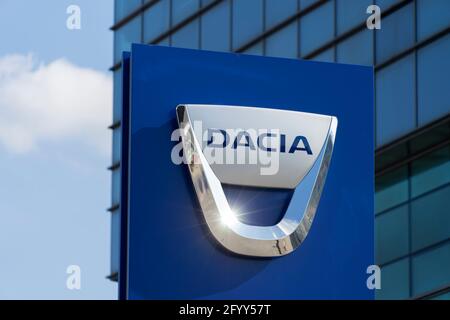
pixel 55 107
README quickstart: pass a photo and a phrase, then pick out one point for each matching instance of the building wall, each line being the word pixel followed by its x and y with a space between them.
pixel 410 55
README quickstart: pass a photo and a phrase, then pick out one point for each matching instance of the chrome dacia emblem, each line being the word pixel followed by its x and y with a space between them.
pixel 302 144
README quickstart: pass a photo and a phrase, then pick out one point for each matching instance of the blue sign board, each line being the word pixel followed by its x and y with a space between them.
pixel 169 250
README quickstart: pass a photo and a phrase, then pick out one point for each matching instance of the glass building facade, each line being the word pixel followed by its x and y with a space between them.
pixel 411 58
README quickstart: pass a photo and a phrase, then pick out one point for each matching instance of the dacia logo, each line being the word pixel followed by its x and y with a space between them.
pixel 220 138
pixel 302 165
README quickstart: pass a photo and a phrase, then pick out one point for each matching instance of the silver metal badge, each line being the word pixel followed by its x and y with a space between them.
pixel 257 147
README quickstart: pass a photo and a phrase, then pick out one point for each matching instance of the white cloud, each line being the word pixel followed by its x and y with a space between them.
pixel 55 102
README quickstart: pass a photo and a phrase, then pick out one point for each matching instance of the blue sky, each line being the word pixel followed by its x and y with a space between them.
pixel 55 106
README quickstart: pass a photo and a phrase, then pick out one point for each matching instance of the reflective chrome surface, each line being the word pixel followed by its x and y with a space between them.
pixel 240 238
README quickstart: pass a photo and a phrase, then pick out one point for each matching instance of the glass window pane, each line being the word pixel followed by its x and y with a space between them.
pixel 115 187
pixel 430 172
pixel 117 147
pixel 443 296
pixel 156 20
pixel 257 49
pixel 431 269
pixel 357 50
pixel 123 8
pixel 430 218
pixel 433 84
pixel 125 36
pixel 395 96
pixel 283 43
pixel 277 11
pixel 115 241
pixel 204 3
pixel 391 235
pixel 181 9
pixel 306 3
pixel 386 4
pixel 247 21
pixel 164 42
pixel 396 33
pixel 316 28
pixel 117 103
pixel 394 281
pixel 187 37
pixel 325 56
pixel 391 189
pixel 216 28
pixel 432 16
pixel 351 13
